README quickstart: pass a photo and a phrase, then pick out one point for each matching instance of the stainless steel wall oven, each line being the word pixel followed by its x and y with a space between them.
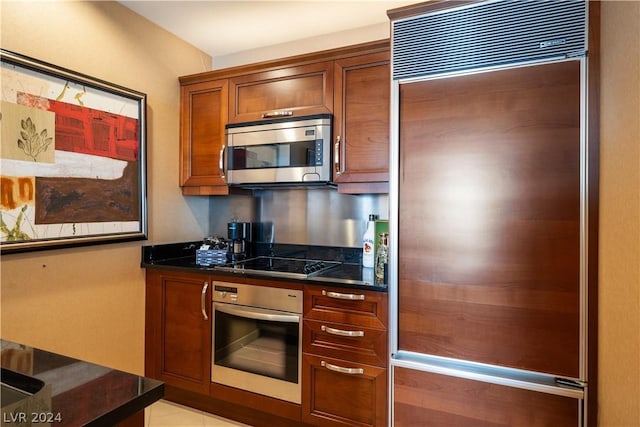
pixel 257 339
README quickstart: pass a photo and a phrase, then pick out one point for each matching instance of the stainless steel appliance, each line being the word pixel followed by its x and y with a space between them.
pixel 490 279
pixel 239 235
pixel 289 150
pixel 257 339
pixel 295 268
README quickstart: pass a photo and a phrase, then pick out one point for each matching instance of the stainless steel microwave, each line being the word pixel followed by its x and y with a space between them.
pixel 285 150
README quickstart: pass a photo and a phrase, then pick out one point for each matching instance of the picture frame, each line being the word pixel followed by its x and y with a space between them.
pixel 72 158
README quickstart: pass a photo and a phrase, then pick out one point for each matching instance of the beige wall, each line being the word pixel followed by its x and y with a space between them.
pixel 312 44
pixel 619 374
pixel 89 302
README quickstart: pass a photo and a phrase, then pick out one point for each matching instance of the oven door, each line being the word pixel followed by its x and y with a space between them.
pixel 257 350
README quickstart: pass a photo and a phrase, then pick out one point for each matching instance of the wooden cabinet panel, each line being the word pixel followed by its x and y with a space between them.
pixel 361 122
pixel 204 113
pixel 301 85
pixel 494 277
pixel 347 306
pixel 301 90
pixel 347 342
pixel 345 359
pixel 425 399
pixel 336 393
pixel 178 336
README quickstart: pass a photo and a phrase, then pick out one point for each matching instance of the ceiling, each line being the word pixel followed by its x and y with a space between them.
pixel 226 27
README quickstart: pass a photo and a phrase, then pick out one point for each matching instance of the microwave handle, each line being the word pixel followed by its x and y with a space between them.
pixel 255 314
pixel 221 161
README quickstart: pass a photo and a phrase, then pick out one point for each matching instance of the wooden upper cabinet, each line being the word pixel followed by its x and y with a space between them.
pixel 361 123
pixel 204 113
pixel 300 90
pixel 352 83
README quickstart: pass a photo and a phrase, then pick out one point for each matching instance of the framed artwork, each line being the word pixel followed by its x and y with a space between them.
pixel 72 158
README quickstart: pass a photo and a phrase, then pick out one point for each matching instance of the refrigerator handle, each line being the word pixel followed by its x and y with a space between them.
pixel 570 383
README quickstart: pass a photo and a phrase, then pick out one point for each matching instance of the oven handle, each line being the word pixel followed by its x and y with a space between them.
pixel 257 314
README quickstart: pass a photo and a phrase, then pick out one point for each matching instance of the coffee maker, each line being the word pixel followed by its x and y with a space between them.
pixel 239 235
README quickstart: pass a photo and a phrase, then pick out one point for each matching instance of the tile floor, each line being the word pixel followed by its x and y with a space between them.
pixel 168 414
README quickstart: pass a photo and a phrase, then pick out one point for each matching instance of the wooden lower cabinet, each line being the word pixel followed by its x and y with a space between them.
pixel 426 399
pixel 341 393
pixel 178 329
pixel 344 360
pixel 345 357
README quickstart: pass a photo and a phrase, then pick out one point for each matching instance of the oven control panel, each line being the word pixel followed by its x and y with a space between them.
pixel 225 293
pixel 288 300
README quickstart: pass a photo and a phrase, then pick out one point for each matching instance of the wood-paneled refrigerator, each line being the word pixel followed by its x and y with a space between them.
pixel 493 214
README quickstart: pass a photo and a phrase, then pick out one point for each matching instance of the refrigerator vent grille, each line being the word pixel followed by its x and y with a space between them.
pixel 488 34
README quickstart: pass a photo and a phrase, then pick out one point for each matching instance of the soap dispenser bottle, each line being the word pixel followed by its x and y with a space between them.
pixel 368 256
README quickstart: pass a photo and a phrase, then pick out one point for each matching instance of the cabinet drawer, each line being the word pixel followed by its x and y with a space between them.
pixel 353 343
pixel 348 306
pixel 339 393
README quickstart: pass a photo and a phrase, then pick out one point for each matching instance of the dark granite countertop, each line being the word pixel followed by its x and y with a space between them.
pixel 349 274
pixel 71 392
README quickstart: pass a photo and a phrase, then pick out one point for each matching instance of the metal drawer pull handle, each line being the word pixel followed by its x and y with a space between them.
pixel 341 332
pixel 342 370
pixel 273 114
pixel 203 299
pixel 342 296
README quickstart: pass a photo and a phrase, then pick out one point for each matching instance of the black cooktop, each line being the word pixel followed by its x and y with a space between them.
pixel 280 266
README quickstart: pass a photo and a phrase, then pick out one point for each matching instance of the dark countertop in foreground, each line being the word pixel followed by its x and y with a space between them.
pixel 181 257
pixel 73 392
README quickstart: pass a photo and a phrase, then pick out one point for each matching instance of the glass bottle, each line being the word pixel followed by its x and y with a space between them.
pixel 382 255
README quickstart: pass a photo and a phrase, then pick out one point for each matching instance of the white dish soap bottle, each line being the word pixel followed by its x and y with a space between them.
pixel 368 256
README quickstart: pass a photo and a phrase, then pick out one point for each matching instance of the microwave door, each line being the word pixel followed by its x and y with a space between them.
pixel 290 155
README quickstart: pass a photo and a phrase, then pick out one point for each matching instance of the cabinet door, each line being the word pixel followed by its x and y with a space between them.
pixel 361 127
pixel 489 220
pixel 296 91
pixel 178 330
pixel 338 393
pixel 202 137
